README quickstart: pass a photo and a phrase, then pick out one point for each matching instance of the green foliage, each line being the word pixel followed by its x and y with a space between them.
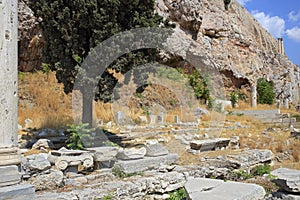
pixel 265 91
pixel 170 73
pixel 172 102
pixel 78 134
pixel 21 75
pixel 239 175
pixel 234 97
pixel 72 28
pixel 111 144
pixel 200 85
pixel 226 4
pixel 261 170
pixel 107 197
pixel 210 103
pixel 297 116
pixel 177 194
pixel 46 68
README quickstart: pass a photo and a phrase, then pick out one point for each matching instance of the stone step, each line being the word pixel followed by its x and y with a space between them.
pixel 17 192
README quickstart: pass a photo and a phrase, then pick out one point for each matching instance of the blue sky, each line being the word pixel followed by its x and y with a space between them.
pixel 282 19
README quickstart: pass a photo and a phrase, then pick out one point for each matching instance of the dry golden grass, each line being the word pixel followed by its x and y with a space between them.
pixel 247 106
pixel 42 100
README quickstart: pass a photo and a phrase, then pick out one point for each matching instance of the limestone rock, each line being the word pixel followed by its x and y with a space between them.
pixel 30 39
pixel 252 157
pixel 131 154
pixel 50 181
pixel 139 165
pixel 104 153
pixel 233 42
pixel 36 163
pixel 155 150
pixel 287 179
pixel 43 143
pixel 212 189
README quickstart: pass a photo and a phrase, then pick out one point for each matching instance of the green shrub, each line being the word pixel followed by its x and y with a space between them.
pixel 177 194
pixel 265 91
pixel 297 116
pixel 261 170
pixel 78 134
pixel 239 175
pixel 234 97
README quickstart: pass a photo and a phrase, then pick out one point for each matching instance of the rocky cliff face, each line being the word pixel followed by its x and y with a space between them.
pixel 30 40
pixel 235 43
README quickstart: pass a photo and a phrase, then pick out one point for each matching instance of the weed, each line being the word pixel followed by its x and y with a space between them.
pixel 177 194
pixel 119 173
pixel 77 135
pixel 261 170
pixel 239 175
pixel 107 197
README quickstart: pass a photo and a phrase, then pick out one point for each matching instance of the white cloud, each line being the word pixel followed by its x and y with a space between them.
pixel 293 16
pixel 274 24
pixel 294 33
pixel 243 2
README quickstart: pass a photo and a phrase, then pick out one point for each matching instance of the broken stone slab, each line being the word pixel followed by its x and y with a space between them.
pixel 287 179
pixel 155 150
pixel 104 157
pixel 104 153
pixel 252 157
pixel 147 163
pixel 210 144
pixel 17 192
pixel 131 153
pixel 212 189
pixel 64 158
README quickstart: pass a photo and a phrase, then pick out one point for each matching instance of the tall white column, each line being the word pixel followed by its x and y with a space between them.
pixel 253 96
pixel 9 153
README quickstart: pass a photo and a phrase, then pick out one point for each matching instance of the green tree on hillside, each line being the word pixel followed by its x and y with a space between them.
pixel 265 91
pixel 72 28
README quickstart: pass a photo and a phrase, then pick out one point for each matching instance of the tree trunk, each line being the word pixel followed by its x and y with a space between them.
pixel 87 108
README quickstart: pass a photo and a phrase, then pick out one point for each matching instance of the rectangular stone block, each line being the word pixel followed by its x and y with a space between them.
pixel 9 175
pixel 17 192
pixel 209 145
pixel 134 166
pixel 211 189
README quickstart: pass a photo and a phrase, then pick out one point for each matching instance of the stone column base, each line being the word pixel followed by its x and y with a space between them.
pixel 9 175
pixel 10 156
pixel 17 192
